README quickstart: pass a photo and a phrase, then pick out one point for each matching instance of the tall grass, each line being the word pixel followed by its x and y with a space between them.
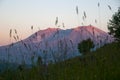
pixel 99 65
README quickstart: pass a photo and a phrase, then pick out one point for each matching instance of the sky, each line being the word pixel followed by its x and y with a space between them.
pixel 41 14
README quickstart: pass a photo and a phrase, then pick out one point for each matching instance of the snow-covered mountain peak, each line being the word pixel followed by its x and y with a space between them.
pixel 57 43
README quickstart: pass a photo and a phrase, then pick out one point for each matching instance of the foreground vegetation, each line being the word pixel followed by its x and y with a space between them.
pixel 103 64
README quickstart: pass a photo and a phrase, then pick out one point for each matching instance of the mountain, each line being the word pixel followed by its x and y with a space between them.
pixel 52 45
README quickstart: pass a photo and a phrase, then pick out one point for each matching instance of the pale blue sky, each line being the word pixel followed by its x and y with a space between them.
pixel 21 14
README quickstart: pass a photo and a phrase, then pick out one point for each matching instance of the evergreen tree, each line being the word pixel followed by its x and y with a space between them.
pixel 114 25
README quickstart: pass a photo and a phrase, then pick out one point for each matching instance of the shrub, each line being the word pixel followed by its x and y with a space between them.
pixel 85 46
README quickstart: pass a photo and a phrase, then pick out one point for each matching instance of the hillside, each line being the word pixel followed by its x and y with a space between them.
pixel 103 64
